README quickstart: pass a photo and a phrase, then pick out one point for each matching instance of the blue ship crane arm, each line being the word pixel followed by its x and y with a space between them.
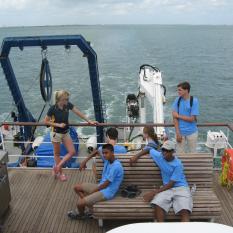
pixel 44 42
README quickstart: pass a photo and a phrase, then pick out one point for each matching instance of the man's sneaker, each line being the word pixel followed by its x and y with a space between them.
pixel 74 214
pixel 88 215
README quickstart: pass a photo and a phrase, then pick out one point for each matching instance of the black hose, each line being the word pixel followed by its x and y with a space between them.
pixel 137 136
pixel 153 67
pixel 165 90
pixel 157 70
pixel 130 133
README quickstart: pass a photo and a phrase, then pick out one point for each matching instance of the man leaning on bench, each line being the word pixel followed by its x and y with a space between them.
pixel 175 191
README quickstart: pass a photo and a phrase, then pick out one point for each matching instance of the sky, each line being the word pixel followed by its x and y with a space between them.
pixel 72 12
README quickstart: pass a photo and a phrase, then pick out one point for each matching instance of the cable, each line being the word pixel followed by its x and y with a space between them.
pixel 137 136
pixel 16 104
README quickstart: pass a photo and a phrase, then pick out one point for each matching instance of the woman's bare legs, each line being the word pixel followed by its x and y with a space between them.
pixel 56 148
pixel 67 141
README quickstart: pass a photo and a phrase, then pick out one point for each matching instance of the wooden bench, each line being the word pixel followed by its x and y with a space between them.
pixel 198 170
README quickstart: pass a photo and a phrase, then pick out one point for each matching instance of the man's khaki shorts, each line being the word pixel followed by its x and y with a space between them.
pixel 93 197
pixel 180 198
pixel 58 137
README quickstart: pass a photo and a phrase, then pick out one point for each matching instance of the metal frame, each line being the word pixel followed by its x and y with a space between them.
pixel 43 42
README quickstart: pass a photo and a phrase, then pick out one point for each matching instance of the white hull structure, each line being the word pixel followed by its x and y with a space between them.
pixel 151 92
pixel 152 89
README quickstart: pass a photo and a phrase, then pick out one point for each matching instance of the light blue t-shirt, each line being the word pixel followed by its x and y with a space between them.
pixel 186 128
pixel 114 173
pixel 170 170
pixel 118 149
pixel 151 145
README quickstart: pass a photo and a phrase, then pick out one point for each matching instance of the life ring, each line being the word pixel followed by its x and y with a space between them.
pixel 226 177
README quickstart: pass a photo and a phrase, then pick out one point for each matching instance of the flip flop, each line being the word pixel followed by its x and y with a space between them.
pixel 63 177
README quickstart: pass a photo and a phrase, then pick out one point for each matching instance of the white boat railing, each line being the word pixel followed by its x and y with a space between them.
pixel 201 144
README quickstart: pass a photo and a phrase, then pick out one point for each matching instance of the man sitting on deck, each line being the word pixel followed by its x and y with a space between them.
pixel 175 191
pixel 110 182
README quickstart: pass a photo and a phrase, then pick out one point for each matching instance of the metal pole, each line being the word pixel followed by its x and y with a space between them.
pixel 2 139
pixel 217 124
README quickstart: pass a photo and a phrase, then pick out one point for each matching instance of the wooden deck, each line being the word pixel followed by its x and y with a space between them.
pixel 40 203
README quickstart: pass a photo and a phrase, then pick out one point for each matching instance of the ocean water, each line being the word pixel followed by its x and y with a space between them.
pixel 202 55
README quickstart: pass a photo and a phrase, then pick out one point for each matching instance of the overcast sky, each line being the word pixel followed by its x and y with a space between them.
pixel 63 12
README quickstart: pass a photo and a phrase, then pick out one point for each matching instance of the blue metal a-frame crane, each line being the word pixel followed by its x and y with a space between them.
pixel 43 42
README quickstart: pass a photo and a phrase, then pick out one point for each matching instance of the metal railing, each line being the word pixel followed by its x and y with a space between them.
pixel 228 126
pixel 212 124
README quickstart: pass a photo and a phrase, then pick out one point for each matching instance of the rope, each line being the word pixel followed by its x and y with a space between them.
pixel 44 55
pixel 15 105
pixel 35 127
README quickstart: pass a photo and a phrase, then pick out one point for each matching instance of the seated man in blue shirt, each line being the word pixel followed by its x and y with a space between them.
pixel 90 193
pixel 175 191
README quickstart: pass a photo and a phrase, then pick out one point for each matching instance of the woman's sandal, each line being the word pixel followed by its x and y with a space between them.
pixel 63 177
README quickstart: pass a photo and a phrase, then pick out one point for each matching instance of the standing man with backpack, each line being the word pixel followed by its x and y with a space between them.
pixel 185 110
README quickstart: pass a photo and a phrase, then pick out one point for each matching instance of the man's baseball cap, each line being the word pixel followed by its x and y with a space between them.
pixel 168 145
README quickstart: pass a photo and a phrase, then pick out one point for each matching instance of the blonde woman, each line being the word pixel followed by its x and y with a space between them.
pixel 57 117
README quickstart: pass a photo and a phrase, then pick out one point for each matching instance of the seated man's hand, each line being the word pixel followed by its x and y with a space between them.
pixel 133 160
pixel 149 196
pixel 82 166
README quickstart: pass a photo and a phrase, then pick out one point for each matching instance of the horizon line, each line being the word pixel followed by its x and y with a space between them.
pixel 114 24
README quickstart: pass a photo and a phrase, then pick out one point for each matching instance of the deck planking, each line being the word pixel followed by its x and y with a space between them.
pixel 40 203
